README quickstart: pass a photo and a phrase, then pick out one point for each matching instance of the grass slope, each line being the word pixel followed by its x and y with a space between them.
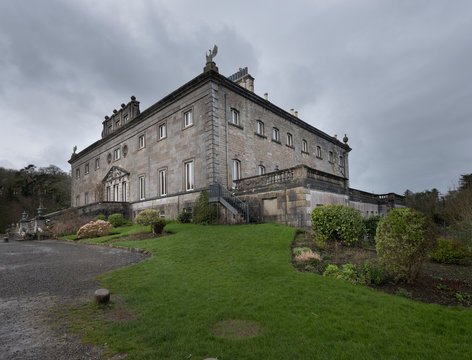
pixel 201 275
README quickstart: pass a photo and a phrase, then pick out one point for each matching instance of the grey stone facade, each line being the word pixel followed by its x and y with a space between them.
pixel 211 130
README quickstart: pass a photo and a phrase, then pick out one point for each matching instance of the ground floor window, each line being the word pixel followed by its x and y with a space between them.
pixel 189 175
pixel 162 182
pixel 142 184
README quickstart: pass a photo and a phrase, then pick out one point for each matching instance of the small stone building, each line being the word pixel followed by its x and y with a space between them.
pixel 260 162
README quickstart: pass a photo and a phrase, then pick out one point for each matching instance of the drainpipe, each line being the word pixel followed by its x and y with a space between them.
pixel 226 132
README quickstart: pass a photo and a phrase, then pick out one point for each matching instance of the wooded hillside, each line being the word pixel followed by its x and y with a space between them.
pixel 29 188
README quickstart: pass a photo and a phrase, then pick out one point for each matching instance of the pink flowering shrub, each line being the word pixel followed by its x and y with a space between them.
pixel 94 229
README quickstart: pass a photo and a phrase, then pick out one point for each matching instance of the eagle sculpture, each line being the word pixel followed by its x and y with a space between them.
pixel 211 54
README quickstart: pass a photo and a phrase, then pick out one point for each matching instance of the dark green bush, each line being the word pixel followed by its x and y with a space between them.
pixel 151 217
pixel 371 273
pixel 158 226
pixel 403 242
pixel 203 212
pixel 101 217
pixel 370 225
pixel 184 217
pixel 337 223
pixel 116 220
pixel 451 251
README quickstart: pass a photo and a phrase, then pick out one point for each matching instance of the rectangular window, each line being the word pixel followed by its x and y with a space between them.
pixel 275 134
pixel 304 146
pixel 117 124
pixel 86 198
pixel 188 118
pixel 86 170
pixel 289 140
pixel 115 192
pixel 142 188
pixel 162 182
pixel 141 142
pixel 318 152
pixel 125 119
pixel 260 127
pixel 331 157
pixel 236 173
pixel 162 131
pixel 261 170
pixel 234 119
pixel 77 200
pixel 97 163
pixel 77 174
pixel 189 175
pixel 116 154
pixel 108 193
pixel 124 195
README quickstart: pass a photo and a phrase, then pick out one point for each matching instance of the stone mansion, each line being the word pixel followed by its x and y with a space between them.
pixel 259 161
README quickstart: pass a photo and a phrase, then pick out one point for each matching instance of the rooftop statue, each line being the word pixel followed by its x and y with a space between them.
pixel 211 54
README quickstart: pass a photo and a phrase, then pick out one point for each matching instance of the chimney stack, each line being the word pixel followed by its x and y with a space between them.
pixel 296 113
pixel 291 111
pixel 266 96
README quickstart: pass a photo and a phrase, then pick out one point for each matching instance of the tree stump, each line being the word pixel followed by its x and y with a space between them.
pixel 102 296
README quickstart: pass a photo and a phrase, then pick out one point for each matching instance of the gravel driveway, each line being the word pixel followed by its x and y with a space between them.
pixel 36 276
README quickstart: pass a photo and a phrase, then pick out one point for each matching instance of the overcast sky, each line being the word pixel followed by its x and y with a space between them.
pixel 395 76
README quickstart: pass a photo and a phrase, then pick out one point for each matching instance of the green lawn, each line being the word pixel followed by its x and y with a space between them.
pixel 203 274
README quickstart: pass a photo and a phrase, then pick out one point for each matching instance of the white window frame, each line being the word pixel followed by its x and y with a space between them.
pixel 275 134
pixel 261 170
pixel 142 187
pixel 260 127
pixel 117 154
pixel 189 175
pixel 163 182
pixel 289 140
pixel 304 146
pixel 235 171
pixel 162 129
pixel 234 117
pixel 141 141
pixel 188 118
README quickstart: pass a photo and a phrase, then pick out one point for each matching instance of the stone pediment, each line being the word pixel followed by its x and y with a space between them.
pixel 115 173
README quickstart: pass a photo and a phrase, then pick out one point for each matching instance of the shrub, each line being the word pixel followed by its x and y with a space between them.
pixel 349 272
pixel 151 217
pixel 100 217
pixel 371 273
pixel 307 255
pixel 203 212
pixel 403 242
pixel 116 220
pixel 370 225
pixel 337 223
pixel 451 251
pixel 94 229
pixel 298 250
pixel 158 226
pixel 184 217
pixel 320 241
pixel 332 271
